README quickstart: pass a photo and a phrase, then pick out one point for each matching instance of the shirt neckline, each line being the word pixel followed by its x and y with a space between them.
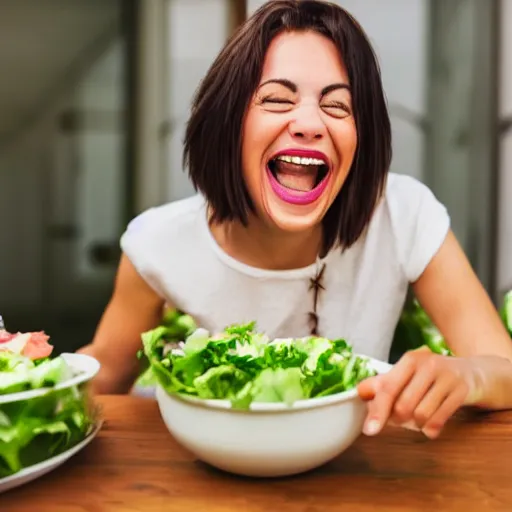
pixel 257 272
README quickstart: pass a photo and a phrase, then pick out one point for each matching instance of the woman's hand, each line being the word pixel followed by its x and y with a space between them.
pixel 424 389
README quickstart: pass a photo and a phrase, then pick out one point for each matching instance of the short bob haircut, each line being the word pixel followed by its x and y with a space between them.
pixel 213 138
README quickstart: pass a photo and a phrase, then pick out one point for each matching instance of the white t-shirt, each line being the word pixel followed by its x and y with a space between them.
pixel 173 249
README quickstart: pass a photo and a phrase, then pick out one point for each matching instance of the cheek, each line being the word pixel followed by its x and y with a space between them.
pixel 346 145
pixel 260 129
pixel 253 146
pixel 259 132
pixel 251 135
pixel 345 141
pixel 249 143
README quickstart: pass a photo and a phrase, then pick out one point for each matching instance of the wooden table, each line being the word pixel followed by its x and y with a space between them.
pixel 134 465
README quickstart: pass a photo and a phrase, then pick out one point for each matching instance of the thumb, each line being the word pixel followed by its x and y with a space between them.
pixel 367 389
pixel 422 348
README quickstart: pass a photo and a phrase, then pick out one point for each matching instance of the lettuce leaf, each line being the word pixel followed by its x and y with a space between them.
pixel 244 366
pixel 175 327
pixel 19 373
pixel 37 429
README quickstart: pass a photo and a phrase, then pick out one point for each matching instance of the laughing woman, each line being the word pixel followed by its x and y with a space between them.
pixel 300 226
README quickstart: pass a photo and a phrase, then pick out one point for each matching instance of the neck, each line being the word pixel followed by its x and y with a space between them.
pixel 259 246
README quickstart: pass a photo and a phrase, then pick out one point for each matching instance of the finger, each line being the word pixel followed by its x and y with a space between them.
pixel 444 412
pixel 368 388
pixel 388 388
pixel 432 400
pixel 423 348
pixel 408 425
pixel 442 408
pixel 413 394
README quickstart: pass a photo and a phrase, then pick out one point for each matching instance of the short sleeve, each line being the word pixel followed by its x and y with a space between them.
pixel 139 244
pixel 420 223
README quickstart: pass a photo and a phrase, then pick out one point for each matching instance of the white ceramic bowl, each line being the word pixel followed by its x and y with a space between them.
pixel 270 439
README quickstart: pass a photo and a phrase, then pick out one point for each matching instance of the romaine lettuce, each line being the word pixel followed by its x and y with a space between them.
pixel 19 373
pixel 244 366
pixel 35 429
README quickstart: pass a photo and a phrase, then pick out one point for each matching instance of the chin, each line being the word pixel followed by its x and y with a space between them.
pixel 291 223
pixel 292 212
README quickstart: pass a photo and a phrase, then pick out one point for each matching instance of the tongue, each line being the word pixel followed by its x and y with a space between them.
pixel 295 176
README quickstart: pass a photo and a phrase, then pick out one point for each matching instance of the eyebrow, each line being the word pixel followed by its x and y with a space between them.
pixel 281 81
pixel 293 87
pixel 335 87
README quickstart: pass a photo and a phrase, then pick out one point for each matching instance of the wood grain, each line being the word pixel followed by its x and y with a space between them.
pixel 134 465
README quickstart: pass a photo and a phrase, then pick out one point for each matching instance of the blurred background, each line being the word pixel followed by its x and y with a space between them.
pixel 94 96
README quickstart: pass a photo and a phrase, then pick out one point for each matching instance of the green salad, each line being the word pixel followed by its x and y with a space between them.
pixel 244 366
pixel 35 429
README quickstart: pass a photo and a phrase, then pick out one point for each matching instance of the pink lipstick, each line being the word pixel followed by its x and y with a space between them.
pixel 297 197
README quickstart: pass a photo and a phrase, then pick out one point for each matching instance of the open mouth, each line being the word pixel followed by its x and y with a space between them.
pixel 301 174
pixel 298 176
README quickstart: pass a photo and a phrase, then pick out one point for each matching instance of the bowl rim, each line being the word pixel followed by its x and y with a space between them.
pixel 309 403
pixel 86 365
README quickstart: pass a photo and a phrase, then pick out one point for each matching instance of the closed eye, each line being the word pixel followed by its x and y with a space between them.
pixel 337 108
pixel 277 100
pixel 276 104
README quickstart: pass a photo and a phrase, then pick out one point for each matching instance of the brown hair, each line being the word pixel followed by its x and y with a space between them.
pixel 213 138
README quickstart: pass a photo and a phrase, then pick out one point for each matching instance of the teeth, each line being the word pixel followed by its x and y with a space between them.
pixel 300 160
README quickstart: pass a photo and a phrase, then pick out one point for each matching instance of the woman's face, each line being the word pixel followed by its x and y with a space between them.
pixel 299 134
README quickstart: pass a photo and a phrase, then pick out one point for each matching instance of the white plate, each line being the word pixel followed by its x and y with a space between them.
pixel 86 367
pixel 31 473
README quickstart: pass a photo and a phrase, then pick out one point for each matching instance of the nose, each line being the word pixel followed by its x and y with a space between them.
pixel 307 124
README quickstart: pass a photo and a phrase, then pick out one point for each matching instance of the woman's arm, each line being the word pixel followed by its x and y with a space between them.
pixel 459 306
pixel 428 388
pixel 134 308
